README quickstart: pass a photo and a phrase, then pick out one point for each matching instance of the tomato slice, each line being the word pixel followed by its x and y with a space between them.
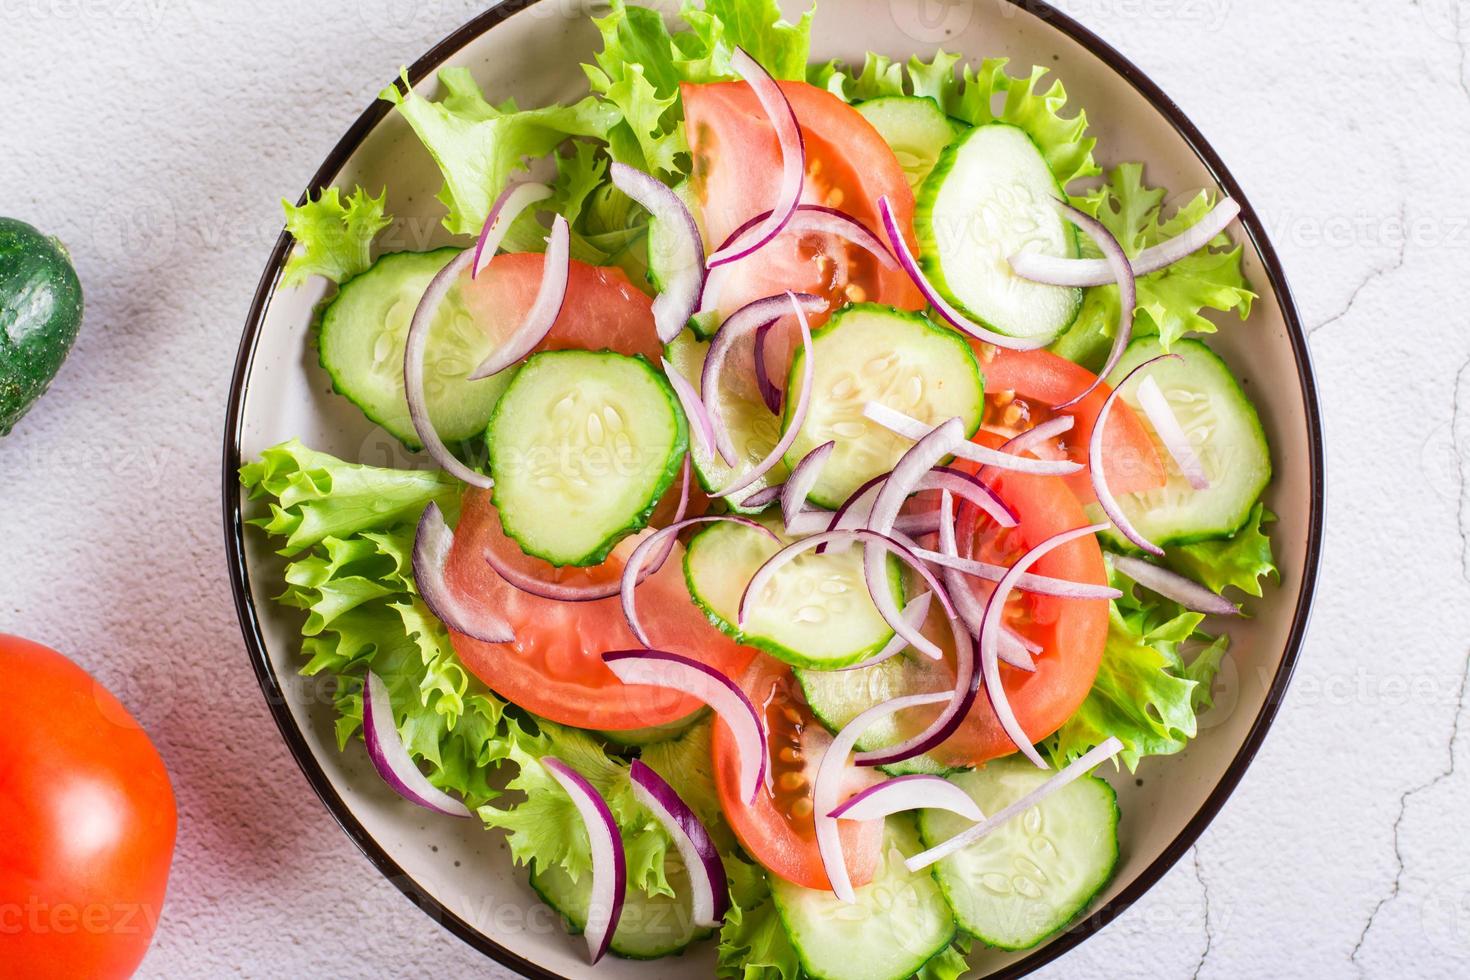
pixel 554 668
pixel 778 829
pixel 1021 387
pixel 1071 632
pixel 603 310
pixel 737 168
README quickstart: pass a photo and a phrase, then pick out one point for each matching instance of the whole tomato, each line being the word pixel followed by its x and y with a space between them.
pixel 87 821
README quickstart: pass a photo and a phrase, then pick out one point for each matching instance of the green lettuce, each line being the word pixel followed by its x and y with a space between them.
pixel 480 147
pixel 334 239
pixel 1172 301
pixel 782 48
pixel 1242 560
pixel 1149 690
pixel 753 943
pixel 969 94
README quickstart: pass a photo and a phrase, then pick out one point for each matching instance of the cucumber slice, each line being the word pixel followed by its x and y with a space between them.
pixel 898 923
pixel 817 612
pixel 876 353
pixel 915 128
pixel 754 430
pixel 837 697
pixel 989 197
pixel 1226 432
pixel 652 926
pixel 1032 875
pixel 663 249
pixel 583 446
pixel 361 342
pixel 657 735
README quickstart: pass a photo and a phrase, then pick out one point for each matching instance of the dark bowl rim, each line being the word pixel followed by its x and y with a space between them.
pixel 311 767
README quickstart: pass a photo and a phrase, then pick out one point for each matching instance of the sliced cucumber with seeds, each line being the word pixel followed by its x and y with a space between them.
pixel 815 613
pixel 652 926
pixel 898 923
pixel 361 342
pixel 990 196
pixel 870 353
pixel 583 446
pixel 752 427
pixel 837 697
pixel 1226 433
pixel 1033 874
pixel 915 128
pixel 665 248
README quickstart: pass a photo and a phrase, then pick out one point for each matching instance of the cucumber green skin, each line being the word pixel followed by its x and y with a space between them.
pixel 924 230
pixel 873 111
pixel 1146 347
pixel 342 382
pixel 638 737
pixel 919 765
pixel 962 350
pixel 974 930
pixel 636 522
pixel 576 924
pixel 40 314
pixel 781 652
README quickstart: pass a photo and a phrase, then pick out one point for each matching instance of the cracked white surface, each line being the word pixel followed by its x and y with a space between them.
pixel 156 136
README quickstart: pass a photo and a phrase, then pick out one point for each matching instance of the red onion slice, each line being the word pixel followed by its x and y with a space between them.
pixel 802 479
pixel 808 217
pixel 914 613
pixel 390 756
pixel 657 668
pixel 798 412
pixel 1105 497
pixel 1039 434
pixel 875 576
pixel 694 409
pixel 764 498
pixel 1013 650
pixel 972 488
pixel 532 585
pixel 990 637
pixel 1171 585
pixel 942 306
pixel 1036 584
pixel 743 321
pixel 793 156
pixel 914 525
pixel 710 898
pixel 541 317
pixel 609 864
pixel 911 428
pixel 770 393
pixel 828 784
pixel 905 793
pixel 965 838
pixel 414 348
pixel 1175 439
pixel 431 546
pixel 1117 260
pixel 1056 271
pixel 679 297
pixel 663 538
pixel 512 202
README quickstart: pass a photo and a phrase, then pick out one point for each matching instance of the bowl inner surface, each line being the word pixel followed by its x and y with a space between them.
pixel 534 55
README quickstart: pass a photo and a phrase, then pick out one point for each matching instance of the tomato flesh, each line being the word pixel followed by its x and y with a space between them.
pixel 87 817
pixel 779 829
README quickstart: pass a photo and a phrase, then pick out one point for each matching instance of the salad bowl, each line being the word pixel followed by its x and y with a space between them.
pixel 460 874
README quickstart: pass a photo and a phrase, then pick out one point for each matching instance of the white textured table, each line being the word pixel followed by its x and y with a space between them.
pixel 156 137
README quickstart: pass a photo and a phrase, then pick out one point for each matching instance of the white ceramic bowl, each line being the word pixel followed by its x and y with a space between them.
pixel 461 875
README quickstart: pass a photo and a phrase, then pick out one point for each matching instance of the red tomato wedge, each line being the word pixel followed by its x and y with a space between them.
pixel 603 310
pixel 778 829
pixel 737 168
pixel 554 668
pixel 1036 380
pixel 1071 632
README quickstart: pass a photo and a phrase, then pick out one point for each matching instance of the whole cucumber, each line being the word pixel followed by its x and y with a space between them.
pixel 40 314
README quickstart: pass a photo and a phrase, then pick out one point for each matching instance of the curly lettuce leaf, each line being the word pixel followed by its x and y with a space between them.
pixel 1147 692
pixel 1241 561
pixel 970 94
pixel 315 495
pixel 334 239
pixel 759 27
pixel 686 764
pixel 480 147
pixel 1172 301
pixel 950 963
pixel 753 943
